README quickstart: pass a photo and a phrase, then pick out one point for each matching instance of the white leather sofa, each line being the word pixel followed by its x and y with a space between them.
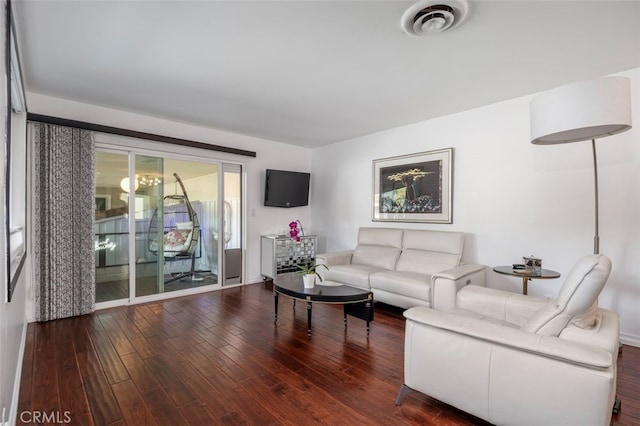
pixel 518 360
pixel 404 267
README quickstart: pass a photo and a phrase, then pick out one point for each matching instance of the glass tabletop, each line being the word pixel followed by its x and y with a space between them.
pixel 508 270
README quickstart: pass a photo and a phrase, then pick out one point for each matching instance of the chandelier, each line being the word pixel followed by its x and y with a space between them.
pixel 150 181
pixel 145 180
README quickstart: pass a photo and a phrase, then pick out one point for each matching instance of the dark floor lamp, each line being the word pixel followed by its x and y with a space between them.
pixel 581 111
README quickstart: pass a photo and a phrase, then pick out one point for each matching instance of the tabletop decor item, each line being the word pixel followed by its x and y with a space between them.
pixel 294 232
pixel 532 264
pixel 310 274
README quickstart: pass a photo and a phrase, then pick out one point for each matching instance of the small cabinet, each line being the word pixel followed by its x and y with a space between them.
pixel 280 254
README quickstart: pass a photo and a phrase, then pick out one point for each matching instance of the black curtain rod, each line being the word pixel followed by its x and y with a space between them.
pixel 135 134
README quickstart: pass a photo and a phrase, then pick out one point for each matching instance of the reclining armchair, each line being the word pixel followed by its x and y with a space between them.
pixel 514 359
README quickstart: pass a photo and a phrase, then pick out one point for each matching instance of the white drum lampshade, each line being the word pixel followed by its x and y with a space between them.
pixel 587 110
pixel 581 111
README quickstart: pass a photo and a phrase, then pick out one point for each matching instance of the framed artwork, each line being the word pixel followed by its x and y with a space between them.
pixel 103 202
pixel 414 188
pixel 15 160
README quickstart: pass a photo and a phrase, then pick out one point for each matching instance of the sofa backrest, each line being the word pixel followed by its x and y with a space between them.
pixel 577 299
pixel 378 247
pixel 430 251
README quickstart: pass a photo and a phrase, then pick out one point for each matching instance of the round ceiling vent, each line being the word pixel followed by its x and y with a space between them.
pixel 433 16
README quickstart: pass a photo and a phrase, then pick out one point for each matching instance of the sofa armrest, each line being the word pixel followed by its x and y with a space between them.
pixel 605 333
pixel 336 258
pixel 514 338
pixel 332 259
pixel 446 284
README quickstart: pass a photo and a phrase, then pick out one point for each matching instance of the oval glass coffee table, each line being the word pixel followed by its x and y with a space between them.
pixel 357 302
pixel 526 275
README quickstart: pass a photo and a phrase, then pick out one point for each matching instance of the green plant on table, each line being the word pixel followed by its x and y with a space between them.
pixel 312 269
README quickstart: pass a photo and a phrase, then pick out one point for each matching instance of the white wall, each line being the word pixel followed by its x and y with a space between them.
pixel 512 198
pixel 270 154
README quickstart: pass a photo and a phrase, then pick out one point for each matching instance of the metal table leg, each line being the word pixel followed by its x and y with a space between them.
pixel 308 319
pixel 275 301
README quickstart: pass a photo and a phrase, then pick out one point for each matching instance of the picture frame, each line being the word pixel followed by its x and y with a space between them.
pixel 414 188
pixel 15 160
pixel 103 202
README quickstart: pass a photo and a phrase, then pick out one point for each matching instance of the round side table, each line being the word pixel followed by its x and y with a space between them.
pixel 526 275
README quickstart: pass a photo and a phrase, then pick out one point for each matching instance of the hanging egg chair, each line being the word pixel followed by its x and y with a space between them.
pixel 176 223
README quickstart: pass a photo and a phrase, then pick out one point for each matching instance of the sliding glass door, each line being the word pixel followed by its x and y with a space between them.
pixel 111 227
pixel 187 217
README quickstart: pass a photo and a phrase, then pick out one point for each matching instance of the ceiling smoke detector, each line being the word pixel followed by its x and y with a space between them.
pixel 433 16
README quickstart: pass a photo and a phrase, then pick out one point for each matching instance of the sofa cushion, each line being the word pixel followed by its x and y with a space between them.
pixel 391 237
pixel 378 247
pixel 479 316
pixel 352 275
pixel 428 252
pixel 576 297
pixel 512 308
pixel 409 284
pixel 381 257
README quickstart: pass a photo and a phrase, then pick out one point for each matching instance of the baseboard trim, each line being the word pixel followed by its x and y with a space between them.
pixel 13 412
pixel 630 339
pixel 255 280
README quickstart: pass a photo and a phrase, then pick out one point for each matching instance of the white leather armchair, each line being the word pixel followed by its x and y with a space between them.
pixel 514 359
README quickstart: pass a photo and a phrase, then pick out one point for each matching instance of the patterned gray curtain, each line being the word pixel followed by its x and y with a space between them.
pixel 64 164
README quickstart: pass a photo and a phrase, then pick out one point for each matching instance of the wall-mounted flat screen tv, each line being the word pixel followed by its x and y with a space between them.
pixel 286 189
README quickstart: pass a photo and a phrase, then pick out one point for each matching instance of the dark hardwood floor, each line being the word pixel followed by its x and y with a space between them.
pixel 218 358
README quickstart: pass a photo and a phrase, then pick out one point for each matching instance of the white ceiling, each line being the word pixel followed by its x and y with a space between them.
pixel 313 72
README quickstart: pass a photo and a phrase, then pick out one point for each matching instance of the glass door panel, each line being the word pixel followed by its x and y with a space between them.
pixel 148 210
pixel 176 222
pixel 111 227
pixel 232 224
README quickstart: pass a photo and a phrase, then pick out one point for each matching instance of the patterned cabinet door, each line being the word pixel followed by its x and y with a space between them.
pixel 281 255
